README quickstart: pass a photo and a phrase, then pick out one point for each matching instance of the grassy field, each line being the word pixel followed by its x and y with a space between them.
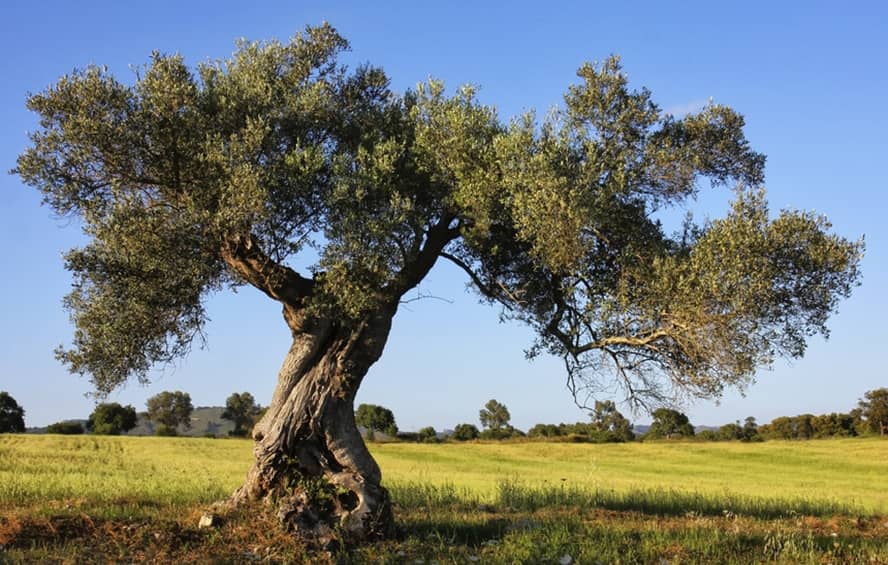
pixel 131 499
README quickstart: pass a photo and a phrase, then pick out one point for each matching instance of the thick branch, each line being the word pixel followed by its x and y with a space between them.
pixel 414 271
pixel 244 256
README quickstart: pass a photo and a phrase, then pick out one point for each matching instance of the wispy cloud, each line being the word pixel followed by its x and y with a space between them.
pixel 681 110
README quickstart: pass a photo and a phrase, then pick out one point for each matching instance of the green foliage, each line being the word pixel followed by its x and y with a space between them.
pixel 494 416
pixel 65 428
pixel 503 432
pixel 163 430
pixel 170 410
pixel 427 435
pixel 544 431
pixel 241 408
pixel 465 432
pixel 874 410
pixel 112 419
pixel 709 435
pixel 730 432
pixel 376 418
pixel 582 432
pixel 833 425
pixel 12 416
pixel 750 431
pixel 669 424
pixel 607 421
pixel 189 180
pixel 809 426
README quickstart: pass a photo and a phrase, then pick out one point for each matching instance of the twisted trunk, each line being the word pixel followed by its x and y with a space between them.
pixel 311 462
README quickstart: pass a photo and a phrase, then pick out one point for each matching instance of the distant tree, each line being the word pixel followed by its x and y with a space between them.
pixel 427 435
pixel 790 427
pixel 874 410
pixel 241 408
pixel 465 432
pixel 607 420
pixel 670 424
pixel 376 419
pixel 750 429
pixel 860 425
pixel 803 427
pixel 504 432
pixel 544 430
pixel 170 410
pixel 708 435
pixel 112 419
pixel 730 432
pixel 12 416
pixel 65 428
pixel 833 425
pixel 781 428
pixel 494 415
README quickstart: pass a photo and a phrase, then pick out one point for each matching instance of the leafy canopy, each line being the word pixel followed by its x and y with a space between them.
pixel 376 418
pixel 282 169
pixel 494 415
pixel 669 423
pixel 111 418
pixel 12 416
pixel 874 409
pixel 241 409
pixel 607 420
pixel 170 410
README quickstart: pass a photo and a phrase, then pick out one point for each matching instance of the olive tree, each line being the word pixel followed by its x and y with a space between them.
pixel 334 196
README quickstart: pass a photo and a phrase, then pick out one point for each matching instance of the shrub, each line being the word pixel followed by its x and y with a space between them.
pixel 65 428
pixel 427 435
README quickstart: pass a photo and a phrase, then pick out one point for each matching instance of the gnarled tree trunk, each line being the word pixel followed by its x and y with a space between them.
pixel 311 463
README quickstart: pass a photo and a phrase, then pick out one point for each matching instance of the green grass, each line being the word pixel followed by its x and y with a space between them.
pixel 83 498
pixel 117 475
pixel 835 473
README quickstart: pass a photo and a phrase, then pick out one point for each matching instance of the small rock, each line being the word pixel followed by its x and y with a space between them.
pixel 565 559
pixel 206 521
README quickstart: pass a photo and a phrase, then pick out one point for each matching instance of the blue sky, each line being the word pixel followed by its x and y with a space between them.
pixel 810 77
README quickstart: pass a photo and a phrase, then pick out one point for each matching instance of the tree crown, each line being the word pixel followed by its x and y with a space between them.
pixel 281 169
pixel 12 416
pixel 494 415
pixel 112 419
pixel 170 409
pixel 376 418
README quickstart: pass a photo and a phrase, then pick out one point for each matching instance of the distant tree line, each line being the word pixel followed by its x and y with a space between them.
pixel 607 425
pixel 170 412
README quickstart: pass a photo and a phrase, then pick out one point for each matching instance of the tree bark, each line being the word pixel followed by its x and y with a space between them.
pixel 311 463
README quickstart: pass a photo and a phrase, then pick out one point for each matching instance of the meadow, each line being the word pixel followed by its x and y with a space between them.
pixel 85 498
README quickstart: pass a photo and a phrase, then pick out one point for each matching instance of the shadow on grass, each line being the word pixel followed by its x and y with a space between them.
pixel 451 530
